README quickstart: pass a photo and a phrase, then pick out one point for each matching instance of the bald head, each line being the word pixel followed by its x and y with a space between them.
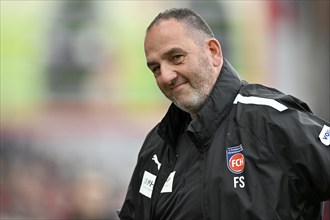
pixel 195 26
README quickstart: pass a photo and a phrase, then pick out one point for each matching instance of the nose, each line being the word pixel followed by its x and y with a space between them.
pixel 168 74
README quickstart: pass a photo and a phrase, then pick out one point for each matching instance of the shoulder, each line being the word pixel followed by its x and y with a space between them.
pixel 259 108
pixel 257 105
pixel 267 98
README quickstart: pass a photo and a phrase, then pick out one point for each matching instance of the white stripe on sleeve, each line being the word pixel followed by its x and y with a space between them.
pixel 260 101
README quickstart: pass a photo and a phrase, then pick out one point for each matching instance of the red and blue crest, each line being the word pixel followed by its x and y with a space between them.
pixel 235 159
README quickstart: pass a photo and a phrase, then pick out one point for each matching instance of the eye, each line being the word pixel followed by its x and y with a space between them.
pixel 177 59
pixel 155 70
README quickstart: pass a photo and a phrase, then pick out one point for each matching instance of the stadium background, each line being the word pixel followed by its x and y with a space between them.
pixel 77 98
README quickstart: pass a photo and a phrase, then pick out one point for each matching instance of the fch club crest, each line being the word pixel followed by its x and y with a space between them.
pixel 235 159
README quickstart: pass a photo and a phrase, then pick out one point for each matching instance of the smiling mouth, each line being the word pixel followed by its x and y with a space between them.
pixel 176 86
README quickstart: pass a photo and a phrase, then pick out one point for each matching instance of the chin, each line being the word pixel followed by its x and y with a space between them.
pixel 188 107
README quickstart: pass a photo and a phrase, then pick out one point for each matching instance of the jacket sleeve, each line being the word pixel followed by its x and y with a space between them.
pixel 127 211
pixel 133 207
pixel 132 204
pixel 300 141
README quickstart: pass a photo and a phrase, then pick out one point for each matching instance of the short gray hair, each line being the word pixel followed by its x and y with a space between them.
pixel 193 22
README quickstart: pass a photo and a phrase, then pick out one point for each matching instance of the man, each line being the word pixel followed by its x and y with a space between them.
pixel 225 149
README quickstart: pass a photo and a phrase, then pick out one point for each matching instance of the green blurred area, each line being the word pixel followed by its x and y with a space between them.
pixel 20 52
pixel 263 49
pixel 25 30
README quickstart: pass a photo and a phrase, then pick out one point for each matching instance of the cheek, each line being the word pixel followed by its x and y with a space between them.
pixel 164 90
pixel 159 83
pixel 161 86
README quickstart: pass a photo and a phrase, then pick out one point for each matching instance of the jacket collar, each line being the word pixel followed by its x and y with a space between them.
pixel 212 114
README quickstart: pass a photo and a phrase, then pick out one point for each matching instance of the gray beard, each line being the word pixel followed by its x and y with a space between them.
pixel 193 107
pixel 200 96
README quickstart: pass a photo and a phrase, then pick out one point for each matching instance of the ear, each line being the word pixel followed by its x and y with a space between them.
pixel 214 48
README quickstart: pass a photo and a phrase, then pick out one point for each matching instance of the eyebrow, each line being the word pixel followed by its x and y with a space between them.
pixel 172 51
pixel 166 54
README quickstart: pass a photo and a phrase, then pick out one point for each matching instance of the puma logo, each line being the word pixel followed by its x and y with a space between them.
pixel 155 158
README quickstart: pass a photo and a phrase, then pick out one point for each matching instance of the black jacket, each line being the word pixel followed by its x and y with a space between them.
pixel 252 152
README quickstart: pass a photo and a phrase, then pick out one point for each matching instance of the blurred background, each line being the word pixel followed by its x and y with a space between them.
pixel 77 98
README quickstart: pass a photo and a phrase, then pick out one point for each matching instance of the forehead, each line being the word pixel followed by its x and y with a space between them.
pixel 164 35
pixel 165 26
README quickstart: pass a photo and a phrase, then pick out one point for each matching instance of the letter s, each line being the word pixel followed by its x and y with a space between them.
pixel 242 183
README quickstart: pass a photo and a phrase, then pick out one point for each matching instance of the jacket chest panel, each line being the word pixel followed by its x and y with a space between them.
pixel 240 170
